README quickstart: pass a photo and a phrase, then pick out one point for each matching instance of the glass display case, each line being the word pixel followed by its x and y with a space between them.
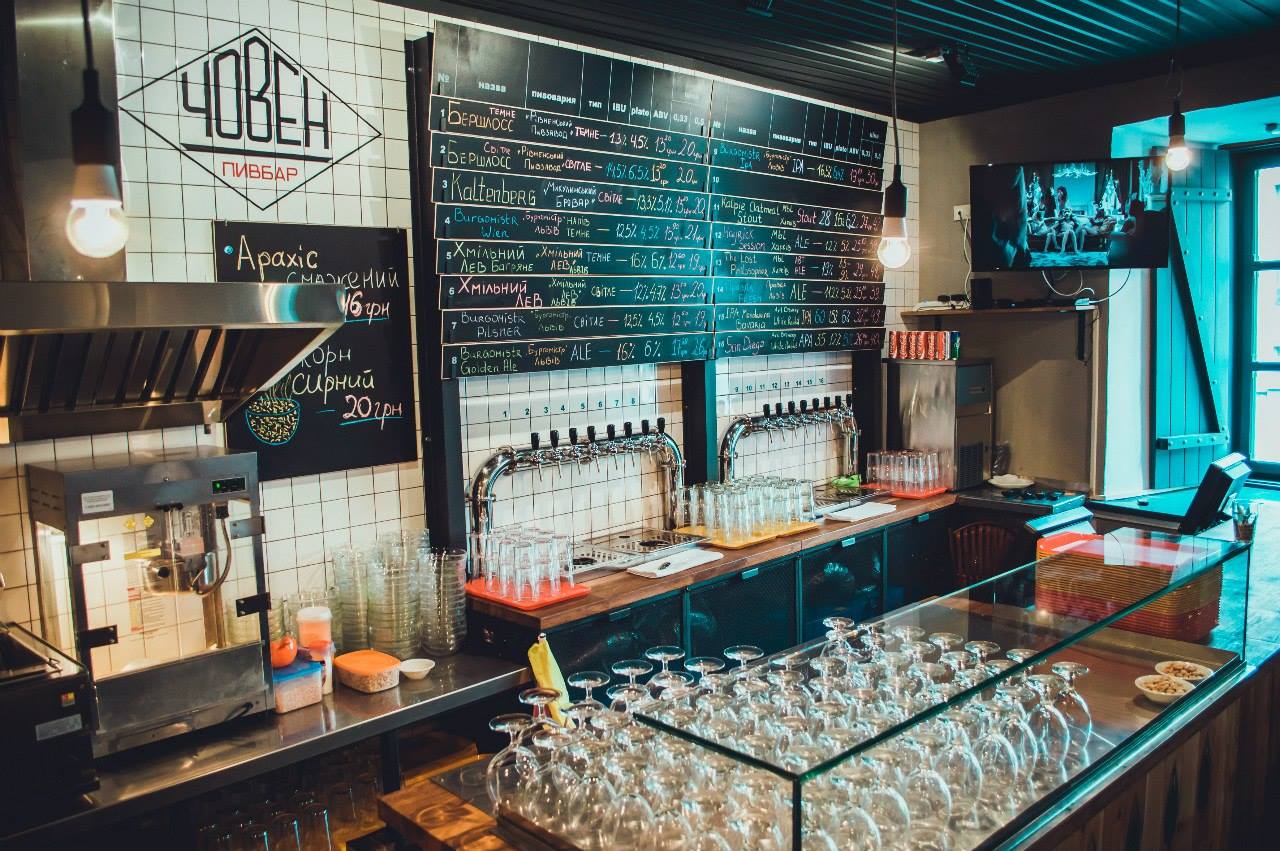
pixel 948 724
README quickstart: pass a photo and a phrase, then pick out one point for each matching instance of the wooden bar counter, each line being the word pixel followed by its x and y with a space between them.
pixel 1201 777
pixel 614 589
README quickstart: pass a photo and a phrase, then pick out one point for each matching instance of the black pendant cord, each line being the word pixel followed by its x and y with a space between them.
pixel 1174 65
pixel 893 87
pixel 88 35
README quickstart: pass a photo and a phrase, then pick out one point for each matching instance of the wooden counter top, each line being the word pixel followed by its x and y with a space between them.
pixel 613 589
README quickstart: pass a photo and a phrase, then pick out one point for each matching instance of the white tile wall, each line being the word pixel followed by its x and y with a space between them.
pixel 355 46
pixel 356 49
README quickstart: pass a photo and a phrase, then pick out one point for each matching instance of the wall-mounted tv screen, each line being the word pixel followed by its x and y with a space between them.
pixel 1090 214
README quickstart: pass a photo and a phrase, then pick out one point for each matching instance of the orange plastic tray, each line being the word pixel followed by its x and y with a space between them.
pixel 475 588
pixel 917 494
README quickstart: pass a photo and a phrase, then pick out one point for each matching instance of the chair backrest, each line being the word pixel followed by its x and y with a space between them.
pixel 980 550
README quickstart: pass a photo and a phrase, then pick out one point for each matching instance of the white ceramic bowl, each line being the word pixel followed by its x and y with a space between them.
pixel 1144 685
pixel 1201 674
pixel 417 669
pixel 1009 480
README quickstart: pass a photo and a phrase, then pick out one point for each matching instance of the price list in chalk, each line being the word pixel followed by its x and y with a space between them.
pixel 571 215
pixel 348 402
pixel 795 201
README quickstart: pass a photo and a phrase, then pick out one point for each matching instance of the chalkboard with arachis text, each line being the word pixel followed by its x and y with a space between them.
pixel 589 210
pixel 349 402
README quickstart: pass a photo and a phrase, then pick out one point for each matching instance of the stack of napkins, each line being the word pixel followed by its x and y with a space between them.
pixel 862 512
pixel 658 568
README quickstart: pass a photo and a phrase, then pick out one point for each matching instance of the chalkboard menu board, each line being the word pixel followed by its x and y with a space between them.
pixel 349 402
pixel 590 211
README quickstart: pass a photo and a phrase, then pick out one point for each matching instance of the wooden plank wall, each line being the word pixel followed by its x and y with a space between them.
pixel 1178 402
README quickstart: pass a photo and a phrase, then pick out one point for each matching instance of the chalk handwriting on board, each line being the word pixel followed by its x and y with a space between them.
pixel 348 402
pixel 583 201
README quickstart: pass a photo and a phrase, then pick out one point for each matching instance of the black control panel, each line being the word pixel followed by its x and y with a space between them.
pixel 226 486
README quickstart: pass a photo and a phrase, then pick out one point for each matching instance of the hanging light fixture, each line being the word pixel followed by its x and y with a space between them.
pixel 1178 155
pixel 96 223
pixel 894 250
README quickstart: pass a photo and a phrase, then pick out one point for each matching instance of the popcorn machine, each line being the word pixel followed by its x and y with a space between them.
pixel 150 571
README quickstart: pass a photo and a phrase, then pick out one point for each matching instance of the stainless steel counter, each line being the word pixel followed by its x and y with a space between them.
pixel 158 775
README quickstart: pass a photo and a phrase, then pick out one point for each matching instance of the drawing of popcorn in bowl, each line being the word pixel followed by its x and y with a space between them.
pixel 273 416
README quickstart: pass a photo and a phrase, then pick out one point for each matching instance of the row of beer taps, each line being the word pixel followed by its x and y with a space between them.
pixel 819 412
pixel 580 449
pixel 594 447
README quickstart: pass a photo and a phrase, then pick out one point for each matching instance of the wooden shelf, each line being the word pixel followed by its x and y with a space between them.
pixel 1048 312
pixel 996 311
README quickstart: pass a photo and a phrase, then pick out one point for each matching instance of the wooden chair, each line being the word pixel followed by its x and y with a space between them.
pixel 979 551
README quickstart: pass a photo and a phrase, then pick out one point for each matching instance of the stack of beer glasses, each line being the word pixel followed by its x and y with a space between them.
pixel 525 565
pixel 906 472
pixel 747 509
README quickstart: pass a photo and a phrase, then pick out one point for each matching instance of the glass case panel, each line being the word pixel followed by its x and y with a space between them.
pixel 939 725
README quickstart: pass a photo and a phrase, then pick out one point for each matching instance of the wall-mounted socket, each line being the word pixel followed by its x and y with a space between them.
pixel 961 213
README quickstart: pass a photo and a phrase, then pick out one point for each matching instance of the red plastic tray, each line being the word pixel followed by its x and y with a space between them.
pixel 917 494
pixel 475 588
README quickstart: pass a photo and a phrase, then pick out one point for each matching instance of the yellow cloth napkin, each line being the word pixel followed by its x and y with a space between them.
pixel 546 672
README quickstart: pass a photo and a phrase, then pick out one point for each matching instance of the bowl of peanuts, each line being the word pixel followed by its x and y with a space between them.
pixel 1183 670
pixel 1162 688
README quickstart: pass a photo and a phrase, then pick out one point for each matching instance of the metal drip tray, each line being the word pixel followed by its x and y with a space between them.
pixel 587 557
pixel 620 550
pixel 828 498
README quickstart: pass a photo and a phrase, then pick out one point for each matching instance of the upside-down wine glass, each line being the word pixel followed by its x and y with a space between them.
pixel 513 767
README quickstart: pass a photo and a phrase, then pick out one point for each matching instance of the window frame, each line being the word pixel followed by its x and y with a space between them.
pixel 1245 166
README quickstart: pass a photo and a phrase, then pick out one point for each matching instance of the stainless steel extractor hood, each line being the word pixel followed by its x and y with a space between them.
pixel 81 357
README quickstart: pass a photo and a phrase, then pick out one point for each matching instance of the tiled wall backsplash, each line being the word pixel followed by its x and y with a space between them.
pixel 355 47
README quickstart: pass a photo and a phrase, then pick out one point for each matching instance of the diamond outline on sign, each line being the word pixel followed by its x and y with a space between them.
pixel 377 134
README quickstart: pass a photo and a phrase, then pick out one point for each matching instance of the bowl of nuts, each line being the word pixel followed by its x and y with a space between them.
pixel 273 420
pixel 1162 688
pixel 1189 671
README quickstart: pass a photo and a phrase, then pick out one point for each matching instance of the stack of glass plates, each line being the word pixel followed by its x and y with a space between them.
pixel 349 571
pixel 393 606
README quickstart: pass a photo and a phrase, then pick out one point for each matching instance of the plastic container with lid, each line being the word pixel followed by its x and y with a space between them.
pixel 315 624
pixel 367 670
pixel 297 684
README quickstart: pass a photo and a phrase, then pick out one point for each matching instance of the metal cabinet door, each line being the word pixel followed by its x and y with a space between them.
pixel 919 561
pixel 625 633
pixel 757 606
pixel 845 579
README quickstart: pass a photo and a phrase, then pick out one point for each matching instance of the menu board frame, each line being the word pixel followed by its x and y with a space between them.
pixel 359 379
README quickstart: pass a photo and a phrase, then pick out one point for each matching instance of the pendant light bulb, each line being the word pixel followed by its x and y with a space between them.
pixel 96 223
pixel 1178 155
pixel 894 251
pixel 97 228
